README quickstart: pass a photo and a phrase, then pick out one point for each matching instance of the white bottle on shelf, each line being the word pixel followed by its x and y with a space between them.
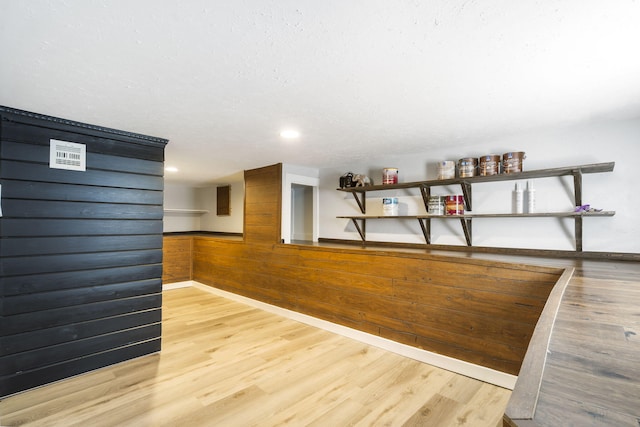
pixel 531 198
pixel 518 199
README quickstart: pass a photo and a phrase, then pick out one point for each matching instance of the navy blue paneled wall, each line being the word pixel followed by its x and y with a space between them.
pixel 81 251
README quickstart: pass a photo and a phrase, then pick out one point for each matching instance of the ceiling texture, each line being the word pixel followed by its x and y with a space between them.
pixel 357 78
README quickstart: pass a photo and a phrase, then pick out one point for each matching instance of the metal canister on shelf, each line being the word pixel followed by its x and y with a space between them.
pixel 390 175
pixel 512 162
pixel 467 167
pixel 489 165
pixel 454 204
pixel 446 169
pixel 390 206
pixel 435 205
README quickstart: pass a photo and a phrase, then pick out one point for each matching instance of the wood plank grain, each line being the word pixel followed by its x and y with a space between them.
pixel 19 208
pixel 31 303
pixel 177 259
pixel 40 264
pixel 41 172
pixel 13 189
pixel 27 227
pixel 33 283
pixel 26 131
pixel 27 322
pixel 262 202
pixel 78 331
pixel 73 244
pixel 30 152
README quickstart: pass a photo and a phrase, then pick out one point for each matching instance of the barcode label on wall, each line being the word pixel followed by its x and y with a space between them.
pixel 67 155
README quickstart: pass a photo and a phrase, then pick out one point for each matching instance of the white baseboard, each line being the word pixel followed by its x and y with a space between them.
pixel 461 367
pixel 178 285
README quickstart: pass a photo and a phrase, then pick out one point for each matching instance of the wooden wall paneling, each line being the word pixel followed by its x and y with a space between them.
pixel 476 301
pixel 34 359
pixel 26 322
pixel 81 193
pixel 73 244
pixel 25 227
pixel 413 314
pixel 37 129
pixel 262 204
pixel 243 281
pixel 80 210
pixel 81 252
pixel 42 338
pixel 29 303
pixel 41 173
pixel 28 150
pixel 37 264
pixel 32 283
pixel 177 259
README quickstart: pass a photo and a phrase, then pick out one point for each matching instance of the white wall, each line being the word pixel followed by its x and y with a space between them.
pixel 180 197
pixel 594 143
pixel 186 197
pixel 207 197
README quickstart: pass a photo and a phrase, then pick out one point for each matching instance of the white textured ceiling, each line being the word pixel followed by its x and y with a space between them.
pixel 357 78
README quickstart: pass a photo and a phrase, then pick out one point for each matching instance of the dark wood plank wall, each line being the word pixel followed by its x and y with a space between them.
pixel 81 252
pixel 262 204
pixel 482 312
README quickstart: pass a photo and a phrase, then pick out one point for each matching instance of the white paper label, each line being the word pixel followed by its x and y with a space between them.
pixel 67 155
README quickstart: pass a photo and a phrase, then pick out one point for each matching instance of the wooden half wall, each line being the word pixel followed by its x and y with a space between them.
pixel 177 259
pixel 482 312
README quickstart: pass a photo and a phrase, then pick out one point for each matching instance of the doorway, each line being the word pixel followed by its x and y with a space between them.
pixel 301 212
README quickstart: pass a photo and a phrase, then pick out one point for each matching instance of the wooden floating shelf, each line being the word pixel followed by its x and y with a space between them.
pixel 539 173
pixel 488 215
pixel 359 194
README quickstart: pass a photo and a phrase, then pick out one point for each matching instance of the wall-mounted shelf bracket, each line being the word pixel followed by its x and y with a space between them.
pixel 577 186
pixel 361 198
pixel 425 191
pixel 466 227
pixel 425 225
pixel 466 193
pixel 361 227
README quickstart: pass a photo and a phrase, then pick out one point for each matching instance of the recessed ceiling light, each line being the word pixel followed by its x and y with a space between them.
pixel 290 134
pixel 171 169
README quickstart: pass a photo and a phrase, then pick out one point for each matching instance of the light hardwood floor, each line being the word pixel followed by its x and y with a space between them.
pixel 227 364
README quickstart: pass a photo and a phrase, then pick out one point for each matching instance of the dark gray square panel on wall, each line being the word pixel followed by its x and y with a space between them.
pixel 80 247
